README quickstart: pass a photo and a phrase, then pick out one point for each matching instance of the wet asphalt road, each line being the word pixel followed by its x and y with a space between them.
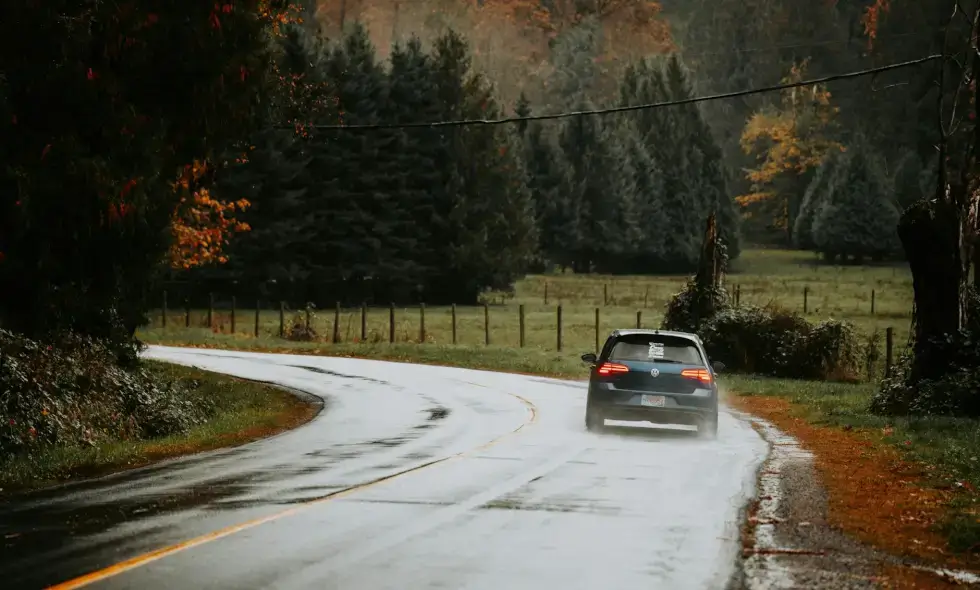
pixel 501 486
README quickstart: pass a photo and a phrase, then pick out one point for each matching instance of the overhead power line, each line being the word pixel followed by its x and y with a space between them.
pixel 631 108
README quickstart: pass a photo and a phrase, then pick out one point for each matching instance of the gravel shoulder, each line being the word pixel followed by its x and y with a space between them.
pixel 791 539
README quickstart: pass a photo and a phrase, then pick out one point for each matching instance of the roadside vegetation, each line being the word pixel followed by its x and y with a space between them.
pixel 77 415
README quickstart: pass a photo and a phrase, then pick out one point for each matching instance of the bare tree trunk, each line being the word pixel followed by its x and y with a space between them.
pixel 929 233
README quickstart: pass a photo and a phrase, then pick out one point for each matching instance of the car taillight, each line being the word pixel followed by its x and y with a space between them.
pixel 610 368
pixel 702 375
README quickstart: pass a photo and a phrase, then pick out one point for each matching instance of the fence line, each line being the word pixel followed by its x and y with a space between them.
pixel 423 334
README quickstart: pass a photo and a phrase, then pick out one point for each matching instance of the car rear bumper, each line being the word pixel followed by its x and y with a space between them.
pixel 691 416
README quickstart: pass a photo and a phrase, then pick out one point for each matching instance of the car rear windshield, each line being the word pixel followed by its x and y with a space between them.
pixel 655 348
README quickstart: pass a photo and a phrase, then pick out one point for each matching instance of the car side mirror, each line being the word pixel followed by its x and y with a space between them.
pixel 717 366
pixel 589 358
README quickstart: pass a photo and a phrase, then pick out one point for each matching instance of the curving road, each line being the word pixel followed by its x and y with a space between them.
pixel 413 477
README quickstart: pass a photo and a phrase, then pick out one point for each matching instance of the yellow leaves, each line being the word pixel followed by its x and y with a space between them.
pixel 746 200
pixel 202 223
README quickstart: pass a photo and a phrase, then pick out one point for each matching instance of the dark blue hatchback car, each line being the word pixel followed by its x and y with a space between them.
pixel 653 376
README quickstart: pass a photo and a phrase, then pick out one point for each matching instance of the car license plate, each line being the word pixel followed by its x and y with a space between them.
pixel 654 401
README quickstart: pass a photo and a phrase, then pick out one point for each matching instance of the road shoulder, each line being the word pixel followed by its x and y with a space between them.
pixel 833 511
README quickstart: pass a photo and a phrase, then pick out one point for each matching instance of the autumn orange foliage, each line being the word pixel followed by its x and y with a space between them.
pixel 872 18
pixel 202 224
pixel 787 141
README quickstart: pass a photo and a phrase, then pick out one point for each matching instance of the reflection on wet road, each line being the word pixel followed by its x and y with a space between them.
pixel 413 477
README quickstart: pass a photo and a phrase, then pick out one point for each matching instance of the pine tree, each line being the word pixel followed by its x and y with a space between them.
pixel 817 193
pixel 598 183
pixel 859 218
pixel 275 179
pixel 484 219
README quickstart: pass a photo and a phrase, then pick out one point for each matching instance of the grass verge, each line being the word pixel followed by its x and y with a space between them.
pixel 241 411
pixel 531 361
pixel 903 485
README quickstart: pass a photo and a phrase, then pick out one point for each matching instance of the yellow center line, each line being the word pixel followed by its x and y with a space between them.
pixel 150 557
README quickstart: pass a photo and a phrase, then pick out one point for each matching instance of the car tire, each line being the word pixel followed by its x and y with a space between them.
pixel 593 419
pixel 709 427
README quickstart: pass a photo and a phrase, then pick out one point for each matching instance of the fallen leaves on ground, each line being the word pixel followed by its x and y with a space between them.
pixel 874 494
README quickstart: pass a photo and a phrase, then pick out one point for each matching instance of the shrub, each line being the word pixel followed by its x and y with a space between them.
pixel 768 341
pixel 691 308
pixel 72 391
pixel 953 395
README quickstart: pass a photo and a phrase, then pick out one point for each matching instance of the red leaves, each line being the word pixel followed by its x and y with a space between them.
pixel 128 187
pixel 91 75
pixel 45 151
pixel 215 23
pixel 118 211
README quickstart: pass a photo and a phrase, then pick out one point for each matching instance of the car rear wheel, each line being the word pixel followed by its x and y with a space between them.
pixel 593 419
pixel 709 426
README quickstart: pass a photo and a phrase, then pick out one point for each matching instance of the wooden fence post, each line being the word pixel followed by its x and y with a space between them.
pixel 363 322
pixel 889 344
pixel 872 301
pixel 282 319
pixel 187 313
pixel 258 311
pixel 308 313
pixel 605 294
pixel 454 323
pixel 233 306
pixel 336 323
pixel 391 323
pixel 806 295
pixel 646 296
pixel 164 316
pixel 210 310
pixel 422 323
pixel 639 320
pixel 597 330
pixel 521 314
pixel 546 292
pixel 559 328
pixel 486 324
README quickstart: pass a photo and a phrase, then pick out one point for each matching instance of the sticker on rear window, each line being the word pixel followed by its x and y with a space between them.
pixel 656 350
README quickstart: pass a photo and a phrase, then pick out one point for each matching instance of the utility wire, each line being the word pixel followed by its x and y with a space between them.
pixel 625 109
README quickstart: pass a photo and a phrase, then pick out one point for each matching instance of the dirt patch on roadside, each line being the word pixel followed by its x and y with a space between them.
pixel 872 494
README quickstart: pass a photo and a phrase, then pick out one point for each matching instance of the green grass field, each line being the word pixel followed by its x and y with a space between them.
pixel 763 277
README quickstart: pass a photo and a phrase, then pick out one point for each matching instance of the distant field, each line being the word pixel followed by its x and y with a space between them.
pixel 764 276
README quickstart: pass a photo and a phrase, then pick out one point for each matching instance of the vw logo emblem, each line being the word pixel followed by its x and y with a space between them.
pixel 654 372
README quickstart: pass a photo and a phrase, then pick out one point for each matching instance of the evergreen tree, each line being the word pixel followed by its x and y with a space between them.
pixel 415 157
pixel 859 218
pixel 275 179
pixel 484 219
pixel 653 222
pixel 599 182
pixel 349 206
pixel 817 193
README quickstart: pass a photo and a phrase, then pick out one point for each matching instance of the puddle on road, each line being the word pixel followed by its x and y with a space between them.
pixel 437 413
pixel 336 374
pixel 37 530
